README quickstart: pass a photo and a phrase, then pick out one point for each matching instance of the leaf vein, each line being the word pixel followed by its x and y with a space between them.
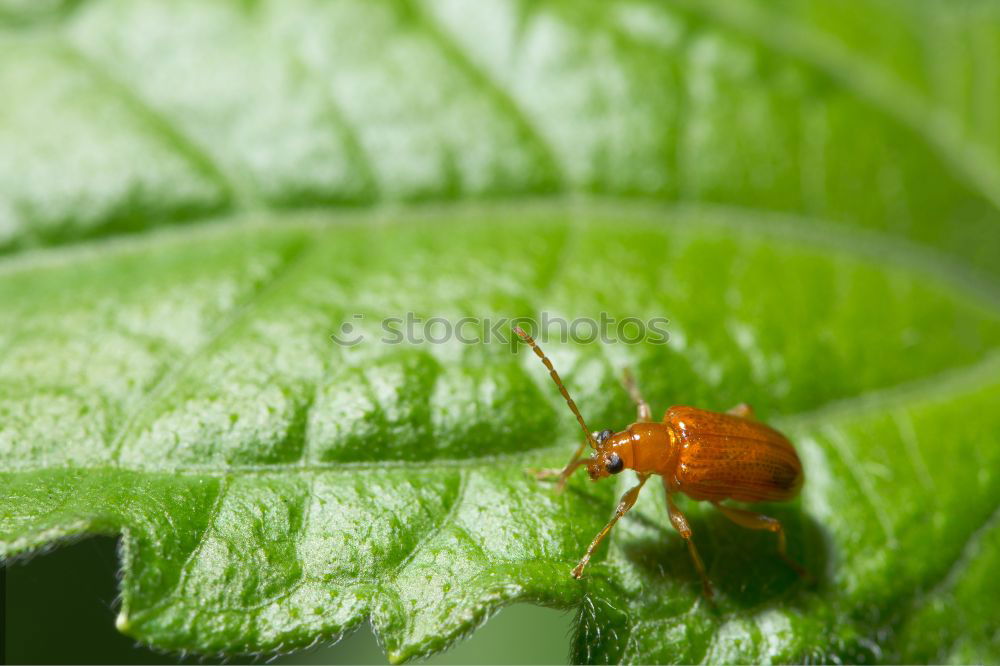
pixel 869 82
pixel 437 529
pixel 189 560
pixel 457 54
pixel 348 131
pixel 159 122
pixel 862 480
pixel 169 378
pixel 908 434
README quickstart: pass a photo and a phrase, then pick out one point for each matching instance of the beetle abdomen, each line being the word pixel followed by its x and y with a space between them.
pixel 724 456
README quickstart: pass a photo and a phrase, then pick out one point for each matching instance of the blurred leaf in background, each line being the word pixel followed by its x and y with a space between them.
pixel 808 192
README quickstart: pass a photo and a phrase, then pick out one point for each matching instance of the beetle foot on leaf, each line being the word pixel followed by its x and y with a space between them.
pixel 546 474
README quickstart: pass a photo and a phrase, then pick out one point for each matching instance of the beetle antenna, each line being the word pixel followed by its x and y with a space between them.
pixel 555 377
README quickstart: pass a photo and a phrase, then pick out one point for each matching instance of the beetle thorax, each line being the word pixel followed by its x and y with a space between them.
pixel 654 447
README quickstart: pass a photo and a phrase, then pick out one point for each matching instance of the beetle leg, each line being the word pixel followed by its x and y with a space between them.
pixel 758 521
pixel 680 523
pixel 626 503
pixel 743 410
pixel 644 413
pixel 562 474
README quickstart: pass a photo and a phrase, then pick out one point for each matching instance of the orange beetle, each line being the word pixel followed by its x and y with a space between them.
pixel 706 455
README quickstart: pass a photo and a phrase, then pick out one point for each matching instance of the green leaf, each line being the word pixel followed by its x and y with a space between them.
pixel 273 488
pixel 809 192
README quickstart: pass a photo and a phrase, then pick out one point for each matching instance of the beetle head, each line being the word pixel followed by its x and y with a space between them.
pixel 607 459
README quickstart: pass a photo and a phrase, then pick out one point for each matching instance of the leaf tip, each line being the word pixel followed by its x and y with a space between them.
pixel 122 623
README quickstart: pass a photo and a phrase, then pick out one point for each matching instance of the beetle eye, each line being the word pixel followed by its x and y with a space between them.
pixel 603 435
pixel 614 463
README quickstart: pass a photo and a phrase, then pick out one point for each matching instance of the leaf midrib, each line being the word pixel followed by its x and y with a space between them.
pixel 649 213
